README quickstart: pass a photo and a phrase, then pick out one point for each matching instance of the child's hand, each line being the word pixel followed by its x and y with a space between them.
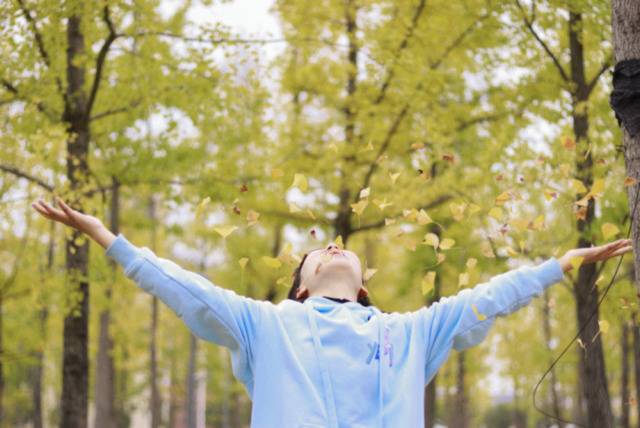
pixel 83 222
pixel 595 254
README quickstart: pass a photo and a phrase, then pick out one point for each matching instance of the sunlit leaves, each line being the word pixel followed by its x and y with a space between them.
pixel 202 206
pixel 431 239
pixel 428 282
pixel 300 181
pixel 369 273
pixel 243 262
pixel 359 206
pixel 225 231
pixel 447 243
pixel 271 262
pixel 471 263
pixel 457 210
pixel 252 217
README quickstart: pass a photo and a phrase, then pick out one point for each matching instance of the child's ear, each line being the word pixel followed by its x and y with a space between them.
pixel 302 292
pixel 363 292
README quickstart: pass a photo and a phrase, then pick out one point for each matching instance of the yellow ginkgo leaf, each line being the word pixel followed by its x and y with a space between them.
pixel 577 186
pixel 457 210
pixel 431 239
pixel 272 262
pixel 359 207
pixel 471 263
pixel 474 208
pixel 243 262
pixel 511 252
pixel 428 282
pixel 538 223
pixel 503 197
pixel 576 261
pixel 521 244
pixel 519 224
pixel 338 242
pixel 446 243
pixel 369 273
pixel 225 231
pixel 382 204
pixel 597 188
pixel 423 218
pixel 201 206
pixel 252 217
pixel 410 214
pixel 388 221
pixel 300 181
pixel 629 181
pixel 604 326
pixel 333 147
pixel 463 279
pixel 609 230
pixel 480 316
pixel 440 257
pixel 276 173
pixel 394 177
pixel 496 212
pixel 364 193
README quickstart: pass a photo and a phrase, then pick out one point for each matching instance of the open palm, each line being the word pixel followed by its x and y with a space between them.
pixel 83 222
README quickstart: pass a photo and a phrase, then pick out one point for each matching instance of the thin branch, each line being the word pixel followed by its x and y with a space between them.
pixel 605 66
pixel 39 105
pixel 529 24
pixel 18 173
pixel 401 48
pixel 39 40
pixel 118 110
pixel 102 54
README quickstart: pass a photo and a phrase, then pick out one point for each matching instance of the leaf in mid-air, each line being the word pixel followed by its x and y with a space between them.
pixel 428 282
pixel 272 262
pixel 201 206
pixel 225 231
pixel 243 262
pixel 609 230
pixel 431 239
pixel 446 243
pixel 300 181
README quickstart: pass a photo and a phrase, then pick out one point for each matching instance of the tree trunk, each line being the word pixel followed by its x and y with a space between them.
pixel 594 383
pixel 546 320
pixel 624 381
pixel 460 418
pixel 155 403
pixel 75 361
pixel 636 361
pixel 105 385
pixel 430 397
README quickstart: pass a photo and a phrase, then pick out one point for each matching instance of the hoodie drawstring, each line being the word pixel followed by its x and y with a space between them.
pixel 330 403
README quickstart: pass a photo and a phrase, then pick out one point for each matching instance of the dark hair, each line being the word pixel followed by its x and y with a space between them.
pixel 364 301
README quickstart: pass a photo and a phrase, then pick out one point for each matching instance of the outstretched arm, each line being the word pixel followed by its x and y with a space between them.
pixel 464 320
pixel 211 312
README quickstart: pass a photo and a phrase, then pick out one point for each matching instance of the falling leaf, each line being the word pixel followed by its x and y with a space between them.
pixel 568 143
pixel 584 201
pixel 609 230
pixel 410 244
pixel 225 231
pixel 503 197
pixel 629 181
pixel 244 188
pixel 359 207
pixel 252 217
pixel 276 173
pixel 272 262
pixel 496 212
pixel 480 316
pixel 410 214
pixel 423 218
pixel 449 157
pixel 394 177
pixel 428 282
pixel 521 244
pixel 463 279
pixel 538 223
pixel 577 186
pixel 471 263
pixel 338 242
pixel 486 250
pixel 369 273
pixel 201 206
pixel 243 262
pixel 457 210
pixel 597 188
pixel 511 252
pixel 364 193
pixel 388 221
pixel 300 181
pixel 382 204
pixel 604 326
pixel 369 146
pixel 440 257
pixel 446 243
pixel 581 343
pixel 417 146
pixel 576 261
pixel 431 239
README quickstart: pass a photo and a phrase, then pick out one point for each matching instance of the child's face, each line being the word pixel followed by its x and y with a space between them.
pixel 330 264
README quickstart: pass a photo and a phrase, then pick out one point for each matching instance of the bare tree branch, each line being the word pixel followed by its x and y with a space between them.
pixel 18 173
pixel 118 110
pixel 39 40
pixel 605 66
pixel 102 54
pixel 529 23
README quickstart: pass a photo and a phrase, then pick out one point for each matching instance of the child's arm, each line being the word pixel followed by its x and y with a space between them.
pixel 464 320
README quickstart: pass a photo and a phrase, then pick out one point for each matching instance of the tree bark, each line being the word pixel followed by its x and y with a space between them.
pixel 636 361
pixel 75 361
pixel 624 381
pixel 105 376
pixel 594 374
pixel 461 416
pixel 546 321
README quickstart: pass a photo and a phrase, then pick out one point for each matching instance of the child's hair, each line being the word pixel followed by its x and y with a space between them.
pixel 364 301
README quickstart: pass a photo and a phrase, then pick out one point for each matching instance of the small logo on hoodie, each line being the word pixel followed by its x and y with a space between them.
pixel 387 349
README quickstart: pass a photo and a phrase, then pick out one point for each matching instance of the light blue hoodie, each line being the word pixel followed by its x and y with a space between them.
pixel 318 364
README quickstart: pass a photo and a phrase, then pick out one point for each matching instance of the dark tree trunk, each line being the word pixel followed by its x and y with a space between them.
pixel 636 361
pixel 594 377
pixel 624 381
pixel 105 378
pixel 546 320
pixel 75 361
pixel 460 415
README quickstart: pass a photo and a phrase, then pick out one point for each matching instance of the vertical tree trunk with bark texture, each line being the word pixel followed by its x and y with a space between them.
pixel 624 381
pixel 75 360
pixel 105 373
pixel 546 320
pixel 594 380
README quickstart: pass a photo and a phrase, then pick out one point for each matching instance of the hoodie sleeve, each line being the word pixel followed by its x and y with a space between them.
pixel 213 313
pixel 464 320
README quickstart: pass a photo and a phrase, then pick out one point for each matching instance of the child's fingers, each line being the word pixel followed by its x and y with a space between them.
pixel 622 251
